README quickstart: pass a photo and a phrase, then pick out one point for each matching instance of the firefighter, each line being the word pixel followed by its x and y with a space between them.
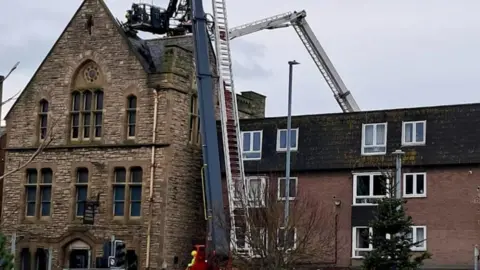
pixel 129 16
pixel 194 255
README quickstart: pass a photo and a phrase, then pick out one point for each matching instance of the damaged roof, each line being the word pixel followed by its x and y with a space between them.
pixel 150 51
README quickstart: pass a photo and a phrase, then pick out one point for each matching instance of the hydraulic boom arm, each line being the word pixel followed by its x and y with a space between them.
pixel 318 54
pixel 156 20
pixel 217 241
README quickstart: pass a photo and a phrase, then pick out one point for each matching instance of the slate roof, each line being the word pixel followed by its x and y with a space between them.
pixel 150 51
pixel 333 141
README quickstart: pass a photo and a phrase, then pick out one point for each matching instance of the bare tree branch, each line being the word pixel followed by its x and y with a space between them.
pixel 10 72
pixel 49 137
pixel 5 78
pixel 265 241
pixel 12 98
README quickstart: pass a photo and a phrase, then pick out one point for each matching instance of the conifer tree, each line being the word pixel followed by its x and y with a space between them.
pixel 392 238
pixel 6 258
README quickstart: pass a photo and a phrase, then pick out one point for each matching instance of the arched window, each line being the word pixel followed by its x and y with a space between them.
pixel 127 192
pixel 131 116
pixel 81 191
pixel 43 119
pixel 38 192
pixel 86 114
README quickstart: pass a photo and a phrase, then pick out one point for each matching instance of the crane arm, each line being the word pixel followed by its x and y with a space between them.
pixel 297 20
pixel 329 73
pixel 217 242
pixel 274 22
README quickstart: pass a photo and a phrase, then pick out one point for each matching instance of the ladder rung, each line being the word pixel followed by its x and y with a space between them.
pixel 229 109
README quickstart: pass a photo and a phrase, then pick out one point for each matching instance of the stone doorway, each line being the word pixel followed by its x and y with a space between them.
pixel 78 255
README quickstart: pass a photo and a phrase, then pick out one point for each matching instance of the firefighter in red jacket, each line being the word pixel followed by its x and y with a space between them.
pixel 198 260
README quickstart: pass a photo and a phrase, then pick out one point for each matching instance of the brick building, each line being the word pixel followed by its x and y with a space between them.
pixel 122 116
pixel 103 89
pixel 338 157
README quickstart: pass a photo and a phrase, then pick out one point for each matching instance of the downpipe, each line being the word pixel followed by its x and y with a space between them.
pixel 152 175
pixel 336 239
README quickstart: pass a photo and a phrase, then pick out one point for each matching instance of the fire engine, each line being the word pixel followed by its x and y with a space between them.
pixel 187 17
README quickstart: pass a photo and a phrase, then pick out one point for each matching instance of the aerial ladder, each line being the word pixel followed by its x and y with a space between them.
pixel 231 133
pixel 297 20
pixel 193 19
pixel 153 19
pixel 217 244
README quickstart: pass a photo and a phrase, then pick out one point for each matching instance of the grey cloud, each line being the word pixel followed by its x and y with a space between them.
pixel 30 57
pixel 250 71
pixel 248 48
pixel 252 55
pixel 390 54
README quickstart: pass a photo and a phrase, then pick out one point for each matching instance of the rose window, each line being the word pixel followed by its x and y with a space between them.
pixel 91 73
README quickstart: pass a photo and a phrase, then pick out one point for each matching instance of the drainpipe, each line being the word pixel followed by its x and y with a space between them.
pixel 152 174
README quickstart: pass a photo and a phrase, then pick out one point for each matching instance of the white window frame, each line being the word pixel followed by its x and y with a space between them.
pixel 294 239
pixel 279 131
pixel 354 241
pixel 253 203
pixel 290 198
pixel 252 132
pixel 414 137
pixel 415 194
pixel 253 253
pixel 371 174
pixel 414 238
pixel 375 125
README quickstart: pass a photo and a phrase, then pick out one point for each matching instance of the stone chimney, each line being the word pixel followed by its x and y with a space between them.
pixel 251 104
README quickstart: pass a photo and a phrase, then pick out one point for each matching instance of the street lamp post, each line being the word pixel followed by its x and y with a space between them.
pixel 2 79
pixel 288 154
pixel 398 174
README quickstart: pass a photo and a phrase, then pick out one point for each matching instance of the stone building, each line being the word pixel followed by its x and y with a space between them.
pixel 120 116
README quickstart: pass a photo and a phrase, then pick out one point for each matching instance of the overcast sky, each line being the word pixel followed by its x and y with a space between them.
pixel 390 54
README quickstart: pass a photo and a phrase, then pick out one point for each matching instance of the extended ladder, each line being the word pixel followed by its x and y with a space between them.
pixel 230 131
pixel 297 19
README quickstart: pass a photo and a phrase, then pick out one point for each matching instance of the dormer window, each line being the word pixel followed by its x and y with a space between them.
pixel 413 133
pixel 252 145
pixel 374 139
pixel 282 140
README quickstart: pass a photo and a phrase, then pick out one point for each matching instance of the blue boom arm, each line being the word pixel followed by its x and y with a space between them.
pixel 217 242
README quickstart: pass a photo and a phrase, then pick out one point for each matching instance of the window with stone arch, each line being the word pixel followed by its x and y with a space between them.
pixel 131 116
pixel 43 119
pixel 86 113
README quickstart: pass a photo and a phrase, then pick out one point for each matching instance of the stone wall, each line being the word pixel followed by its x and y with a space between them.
pixel 175 210
pixel 62 223
pixel 177 163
